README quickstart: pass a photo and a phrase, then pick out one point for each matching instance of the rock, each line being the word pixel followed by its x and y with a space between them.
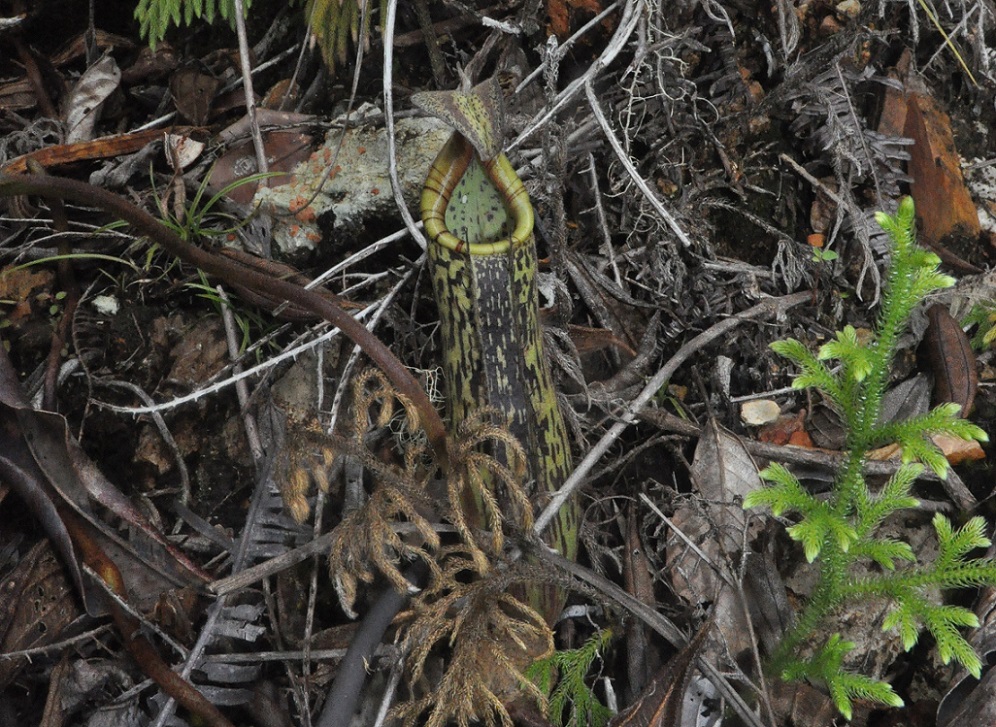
pixel 358 190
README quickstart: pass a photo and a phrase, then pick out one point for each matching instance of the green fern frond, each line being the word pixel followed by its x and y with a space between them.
pixel 884 551
pixel 955 544
pixel 572 693
pixel 785 494
pixel 943 623
pixel 820 526
pixel 921 449
pixel 943 419
pixel 894 495
pixel 903 619
pixel 848 686
pixel 901 227
pixel 155 16
pixel 983 315
pixel 844 687
pixel 814 373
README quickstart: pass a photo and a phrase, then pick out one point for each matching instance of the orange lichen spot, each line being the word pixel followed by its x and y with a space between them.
pixel 298 203
pixel 306 215
pixel 295 230
pixel 327 154
pixel 361 150
pixel 375 190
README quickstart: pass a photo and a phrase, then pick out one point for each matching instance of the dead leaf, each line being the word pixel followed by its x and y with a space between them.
pixel 589 340
pixel 76 47
pixel 150 64
pixel 561 12
pixel 182 151
pixel 641 658
pixel 660 705
pixel 800 703
pixel 194 89
pixel 908 398
pixel 45 465
pixel 36 604
pixel 86 100
pixel 951 358
pixel 723 472
pixel 285 149
pixel 958 451
pixel 892 117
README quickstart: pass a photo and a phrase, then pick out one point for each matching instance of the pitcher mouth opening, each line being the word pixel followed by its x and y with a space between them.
pixel 451 164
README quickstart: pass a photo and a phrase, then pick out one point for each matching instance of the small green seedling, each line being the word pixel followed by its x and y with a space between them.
pixel 821 255
pixel 840 534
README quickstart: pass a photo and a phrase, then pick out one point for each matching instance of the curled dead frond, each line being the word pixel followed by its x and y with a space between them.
pixel 494 637
pixel 308 455
pixel 375 404
pixel 366 542
pixel 488 472
pixel 311 451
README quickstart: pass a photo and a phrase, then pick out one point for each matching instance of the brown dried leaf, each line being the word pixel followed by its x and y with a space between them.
pixel 723 472
pixel 951 358
pixel 86 100
pixel 641 658
pixel 46 466
pixel 193 92
pixel 36 604
pixel 660 704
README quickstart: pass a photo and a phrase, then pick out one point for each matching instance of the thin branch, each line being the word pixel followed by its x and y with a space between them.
pixel 257 137
pixel 392 151
pixel 630 169
pixel 776 306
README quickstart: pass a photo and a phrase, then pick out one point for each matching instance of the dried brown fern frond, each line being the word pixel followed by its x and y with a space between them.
pixel 308 455
pixel 311 451
pixel 481 486
pixel 366 542
pixel 494 636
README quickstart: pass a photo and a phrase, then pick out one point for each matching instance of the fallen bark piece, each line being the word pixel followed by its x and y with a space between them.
pixel 943 204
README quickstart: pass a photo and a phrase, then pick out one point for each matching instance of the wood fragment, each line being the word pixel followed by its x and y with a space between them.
pixel 943 205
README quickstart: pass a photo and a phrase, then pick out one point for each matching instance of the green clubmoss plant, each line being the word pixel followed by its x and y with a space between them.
pixel 842 533
pixel 569 670
pixel 982 315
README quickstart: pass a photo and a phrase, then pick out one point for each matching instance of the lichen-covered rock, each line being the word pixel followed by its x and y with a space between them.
pixel 358 190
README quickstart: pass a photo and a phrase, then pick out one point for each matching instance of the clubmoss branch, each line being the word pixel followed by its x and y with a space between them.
pixel 841 534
